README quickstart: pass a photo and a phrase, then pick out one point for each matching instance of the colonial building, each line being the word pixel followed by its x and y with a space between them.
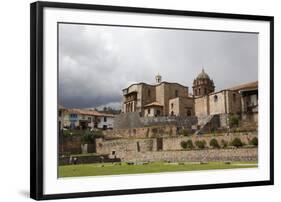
pixel 84 118
pixel 159 99
pixel 173 99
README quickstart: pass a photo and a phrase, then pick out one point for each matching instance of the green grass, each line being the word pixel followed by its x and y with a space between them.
pixel 156 167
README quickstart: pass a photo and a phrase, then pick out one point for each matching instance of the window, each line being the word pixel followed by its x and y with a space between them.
pixel 205 91
pixel 195 92
pixel 105 119
pixel 148 93
pixel 73 115
pixel 158 112
pixel 215 98
pixel 89 119
pixel 148 111
pixel 199 91
pixel 60 113
pixel 176 93
pixel 172 113
pixel 172 105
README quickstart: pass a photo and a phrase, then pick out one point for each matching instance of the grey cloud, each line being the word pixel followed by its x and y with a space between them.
pixel 97 62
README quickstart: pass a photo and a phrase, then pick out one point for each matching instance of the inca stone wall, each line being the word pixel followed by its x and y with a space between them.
pixel 206 155
pixel 173 143
pixel 124 147
pixel 145 132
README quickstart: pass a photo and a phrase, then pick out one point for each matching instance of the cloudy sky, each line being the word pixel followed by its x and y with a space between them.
pixel 97 62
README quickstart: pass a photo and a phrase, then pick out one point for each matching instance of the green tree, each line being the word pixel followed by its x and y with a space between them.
pixel 254 141
pixel 184 144
pixel 189 144
pixel 201 144
pixel 236 142
pixel 233 120
pixel 214 143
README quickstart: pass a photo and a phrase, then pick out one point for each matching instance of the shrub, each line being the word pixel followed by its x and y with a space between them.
pixel 184 132
pixel 224 143
pixel 184 144
pixel 233 120
pixel 254 141
pixel 236 142
pixel 87 137
pixel 201 144
pixel 189 144
pixel 214 143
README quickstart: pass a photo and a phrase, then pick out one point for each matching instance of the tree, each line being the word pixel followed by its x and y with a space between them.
pixel 201 144
pixel 184 144
pixel 189 144
pixel 233 120
pixel 254 141
pixel 214 143
pixel 236 142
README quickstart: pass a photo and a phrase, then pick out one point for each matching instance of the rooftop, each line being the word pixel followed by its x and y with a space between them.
pixel 245 86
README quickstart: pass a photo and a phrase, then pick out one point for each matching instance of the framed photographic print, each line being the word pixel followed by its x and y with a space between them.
pixel 131 100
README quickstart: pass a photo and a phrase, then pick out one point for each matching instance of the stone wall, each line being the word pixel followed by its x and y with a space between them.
pixel 117 147
pixel 217 102
pixel 201 106
pixel 173 143
pixel 206 155
pixel 145 132
pixel 72 145
pixel 164 143
pixel 67 160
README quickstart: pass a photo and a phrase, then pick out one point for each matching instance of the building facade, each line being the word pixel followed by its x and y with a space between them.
pixel 84 119
pixel 173 99
pixel 156 99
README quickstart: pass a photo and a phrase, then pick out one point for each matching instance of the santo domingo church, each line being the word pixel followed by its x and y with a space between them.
pixel 173 99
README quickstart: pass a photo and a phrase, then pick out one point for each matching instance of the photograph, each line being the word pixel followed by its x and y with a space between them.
pixel 142 99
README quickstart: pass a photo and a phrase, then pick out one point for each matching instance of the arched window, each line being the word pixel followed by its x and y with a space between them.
pixel 215 98
pixel 172 105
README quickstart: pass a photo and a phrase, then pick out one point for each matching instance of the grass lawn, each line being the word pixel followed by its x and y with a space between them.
pixel 114 169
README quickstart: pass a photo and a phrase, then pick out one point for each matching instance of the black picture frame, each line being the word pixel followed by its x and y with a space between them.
pixel 36 98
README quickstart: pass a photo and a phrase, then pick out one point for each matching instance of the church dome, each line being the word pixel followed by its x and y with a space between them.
pixel 203 85
pixel 203 75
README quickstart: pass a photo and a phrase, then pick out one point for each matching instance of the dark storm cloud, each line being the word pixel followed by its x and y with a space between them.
pixel 97 62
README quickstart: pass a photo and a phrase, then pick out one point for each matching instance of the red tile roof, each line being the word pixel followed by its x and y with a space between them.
pixel 245 86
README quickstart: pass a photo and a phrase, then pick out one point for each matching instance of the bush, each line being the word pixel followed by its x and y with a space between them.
pixel 214 143
pixel 88 136
pixel 184 144
pixel 224 143
pixel 184 132
pixel 201 144
pixel 233 120
pixel 189 144
pixel 236 142
pixel 254 141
